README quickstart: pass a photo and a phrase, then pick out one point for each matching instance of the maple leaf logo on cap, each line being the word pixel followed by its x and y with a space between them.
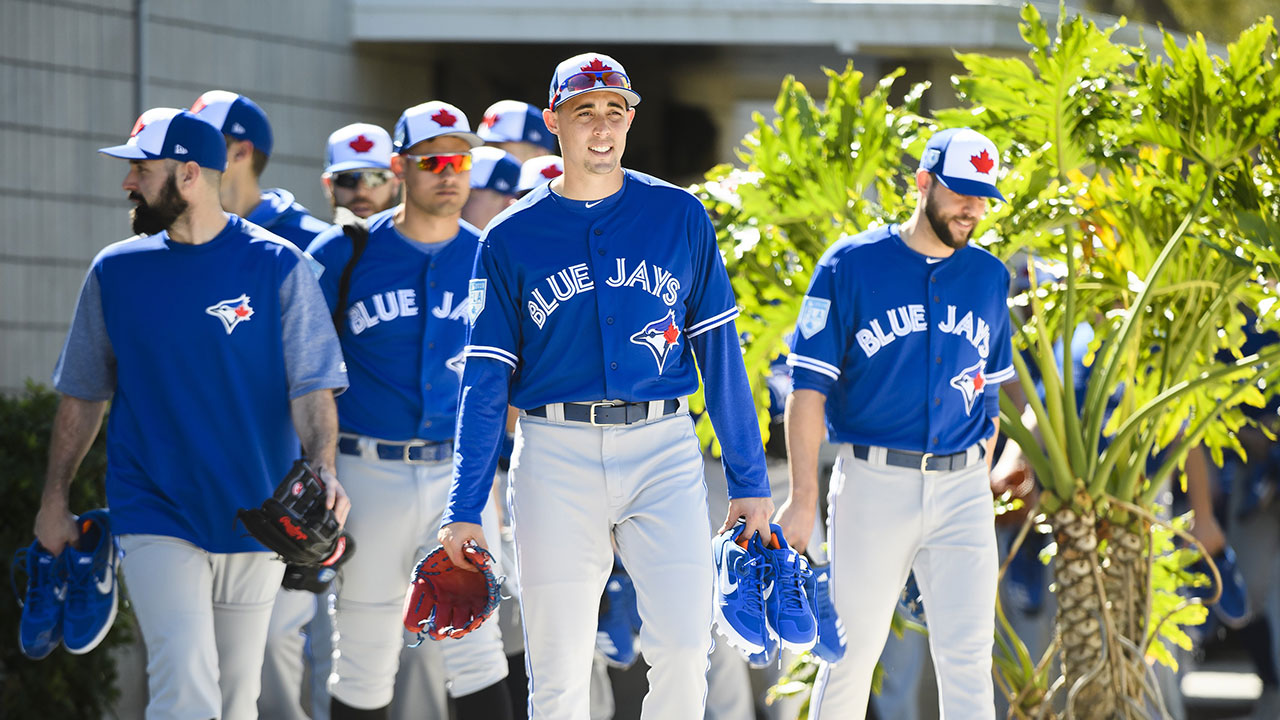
pixel 444 118
pixel 137 128
pixel 490 120
pixel 552 172
pixel 361 144
pixel 596 66
pixel 982 162
pixel 198 105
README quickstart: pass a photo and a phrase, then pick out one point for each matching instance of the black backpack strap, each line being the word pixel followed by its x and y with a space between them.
pixel 359 234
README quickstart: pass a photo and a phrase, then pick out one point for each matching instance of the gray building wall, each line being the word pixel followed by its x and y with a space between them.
pixel 69 83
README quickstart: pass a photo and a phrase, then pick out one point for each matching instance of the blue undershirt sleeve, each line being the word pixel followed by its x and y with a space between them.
pixel 312 357
pixel 482 423
pixel 733 416
pixel 86 368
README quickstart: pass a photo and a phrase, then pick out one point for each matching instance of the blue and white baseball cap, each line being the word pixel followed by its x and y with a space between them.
pixel 515 121
pixel 431 120
pixel 357 147
pixel 494 169
pixel 539 170
pixel 235 115
pixel 174 134
pixel 964 161
pixel 587 72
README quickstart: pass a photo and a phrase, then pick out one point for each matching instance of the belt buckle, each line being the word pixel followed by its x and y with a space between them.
pixel 409 446
pixel 924 464
pixel 592 416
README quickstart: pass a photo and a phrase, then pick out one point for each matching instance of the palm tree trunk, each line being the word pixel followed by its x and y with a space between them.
pixel 1081 614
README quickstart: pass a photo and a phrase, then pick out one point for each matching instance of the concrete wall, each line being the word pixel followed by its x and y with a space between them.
pixel 68 76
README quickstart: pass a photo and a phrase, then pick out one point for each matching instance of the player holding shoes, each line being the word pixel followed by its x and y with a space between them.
pixel 902 342
pixel 403 329
pixel 589 295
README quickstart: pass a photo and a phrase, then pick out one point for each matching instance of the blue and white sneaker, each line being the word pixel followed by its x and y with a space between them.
pixel 619 620
pixel 768 656
pixel 831 635
pixel 740 592
pixel 91 584
pixel 40 629
pixel 789 613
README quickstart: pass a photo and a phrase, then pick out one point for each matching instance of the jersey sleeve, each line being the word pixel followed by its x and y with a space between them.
pixel 332 249
pixel 86 368
pixel 1000 368
pixel 818 344
pixel 733 415
pixel 481 425
pixel 710 303
pixel 495 310
pixel 312 356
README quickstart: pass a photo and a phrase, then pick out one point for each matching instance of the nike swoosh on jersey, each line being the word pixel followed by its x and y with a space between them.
pixel 593 204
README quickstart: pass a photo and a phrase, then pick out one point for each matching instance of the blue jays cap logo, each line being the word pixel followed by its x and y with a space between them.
pixel 231 312
pixel 660 336
pixel 970 383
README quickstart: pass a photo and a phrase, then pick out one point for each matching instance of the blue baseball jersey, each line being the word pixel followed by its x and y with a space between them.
pixel 609 299
pixel 279 213
pixel 404 327
pixel 909 350
pixel 200 348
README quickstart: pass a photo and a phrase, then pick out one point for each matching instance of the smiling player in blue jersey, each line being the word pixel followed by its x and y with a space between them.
pixel 211 340
pixel 901 345
pixel 591 298
pixel 404 322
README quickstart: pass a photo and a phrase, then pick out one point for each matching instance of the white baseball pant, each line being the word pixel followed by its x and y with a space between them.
pixel 282 663
pixel 204 621
pixel 395 512
pixel 885 521
pixel 574 487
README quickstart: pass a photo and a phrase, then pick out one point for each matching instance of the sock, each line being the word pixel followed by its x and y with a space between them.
pixel 491 703
pixel 339 710
pixel 1256 638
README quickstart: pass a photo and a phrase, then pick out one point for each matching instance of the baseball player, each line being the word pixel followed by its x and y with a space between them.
pixel 211 339
pixel 358 181
pixel 590 299
pixel 495 173
pixel 518 128
pixel 403 327
pixel 538 171
pixel 901 345
pixel 357 174
pixel 249 143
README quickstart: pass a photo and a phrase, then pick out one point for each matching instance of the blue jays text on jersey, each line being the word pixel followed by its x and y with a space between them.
pixel 200 349
pixel 904 346
pixel 404 328
pixel 604 300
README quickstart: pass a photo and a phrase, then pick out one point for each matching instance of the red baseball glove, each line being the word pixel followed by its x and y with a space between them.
pixel 445 600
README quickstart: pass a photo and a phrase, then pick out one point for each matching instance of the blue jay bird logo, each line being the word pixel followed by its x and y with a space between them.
pixel 231 312
pixel 970 383
pixel 660 336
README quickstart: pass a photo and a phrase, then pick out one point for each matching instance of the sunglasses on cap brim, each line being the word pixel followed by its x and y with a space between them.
pixel 351 179
pixel 437 162
pixel 589 79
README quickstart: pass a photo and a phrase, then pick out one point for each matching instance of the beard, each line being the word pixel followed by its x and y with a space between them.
pixel 151 218
pixel 940 225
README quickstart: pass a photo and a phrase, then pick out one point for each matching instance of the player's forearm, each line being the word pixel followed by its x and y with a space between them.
pixel 482 418
pixel 733 415
pixel 805 426
pixel 315 418
pixel 75 426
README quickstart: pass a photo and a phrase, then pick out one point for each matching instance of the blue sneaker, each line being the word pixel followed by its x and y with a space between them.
pixel 619 618
pixel 1232 609
pixel 91 584
pixel 831 637
pixel 40 629
pixel 769 655
pixel 789 614
pixel 740 593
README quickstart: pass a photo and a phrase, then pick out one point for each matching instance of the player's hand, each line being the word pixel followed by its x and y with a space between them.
pixel 1011 472
pixel 755 511
pixel 335 496
pixel 796 520
pixel 55 527
pixel 454 535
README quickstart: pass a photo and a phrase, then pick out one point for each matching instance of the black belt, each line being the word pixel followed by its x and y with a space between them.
pixel 413 451
pixel 607 413
pixel 924 462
